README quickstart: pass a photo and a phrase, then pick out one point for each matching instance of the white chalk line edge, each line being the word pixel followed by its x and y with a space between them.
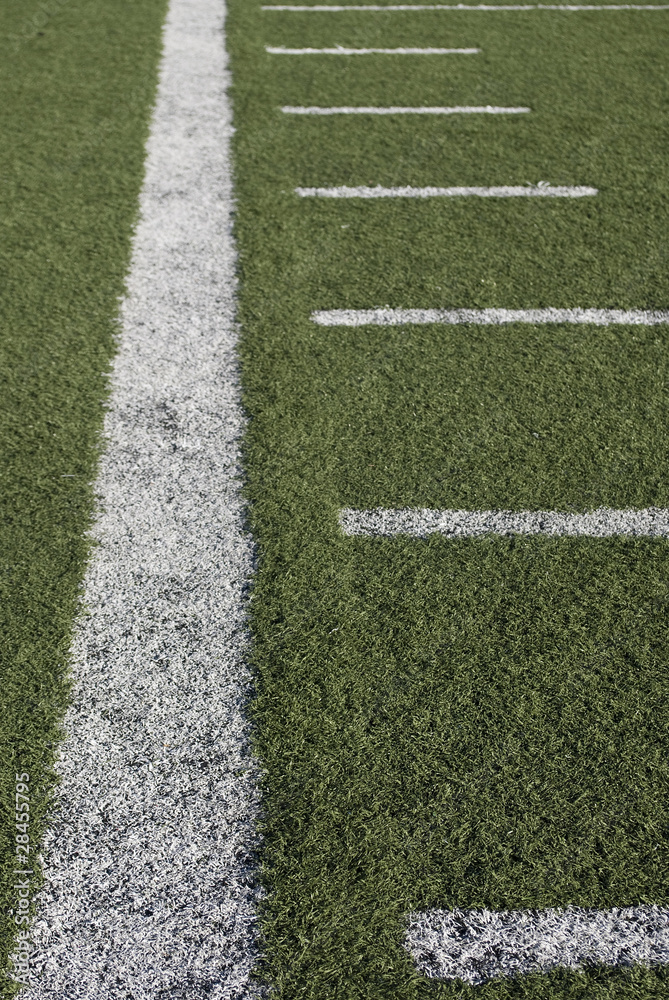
pixel 489 317
pixel 478 945
pixel 505 191
pixel 605 522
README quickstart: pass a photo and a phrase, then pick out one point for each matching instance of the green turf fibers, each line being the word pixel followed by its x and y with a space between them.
pixel 77 80
pixel 481 723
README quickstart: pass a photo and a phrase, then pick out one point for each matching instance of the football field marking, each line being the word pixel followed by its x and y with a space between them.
pixel 651 522
pixel 149 873
pixel 337 8
pixel 478 945
pixel 489 317
pixel 475 946
pixel 339 50
pixel 524 191
pixel 487 110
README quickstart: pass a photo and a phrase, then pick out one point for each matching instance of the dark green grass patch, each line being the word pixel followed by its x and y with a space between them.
pixel 462 724
pixel 77 81
pixel 480 723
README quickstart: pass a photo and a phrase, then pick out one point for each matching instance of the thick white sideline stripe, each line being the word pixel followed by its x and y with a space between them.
pixel 526 191
pixel 149 872
pixel 478 945
pixel 488 317
pixel 337 8
pixel 277 50
pixel 650 522
pixel 487 110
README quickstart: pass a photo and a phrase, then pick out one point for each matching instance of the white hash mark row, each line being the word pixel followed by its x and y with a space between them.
pixel 475 946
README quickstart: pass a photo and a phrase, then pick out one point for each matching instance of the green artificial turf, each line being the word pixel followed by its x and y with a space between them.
pixel 480 723
pixel 77 79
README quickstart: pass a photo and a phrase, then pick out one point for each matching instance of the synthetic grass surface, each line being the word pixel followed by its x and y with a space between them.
pixel 480 723
pixel 77 81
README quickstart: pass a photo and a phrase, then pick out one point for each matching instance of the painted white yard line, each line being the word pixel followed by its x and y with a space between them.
pixel 489 317
pixel 525 191
pixel 478 945
pixel 488 110
pixel 650 522
pixel 341 8
pixel 150 880
pixel 339 50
